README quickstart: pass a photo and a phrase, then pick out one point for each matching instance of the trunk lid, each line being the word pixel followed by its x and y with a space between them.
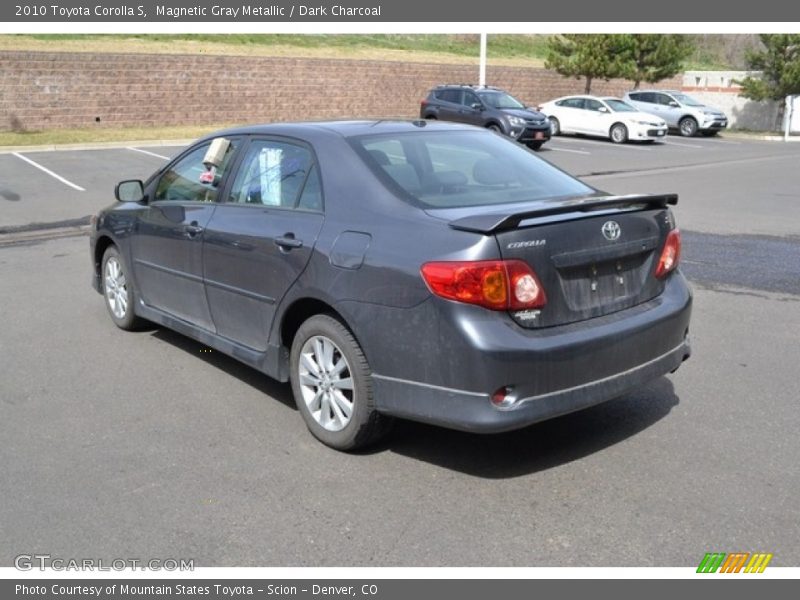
pixel 594 256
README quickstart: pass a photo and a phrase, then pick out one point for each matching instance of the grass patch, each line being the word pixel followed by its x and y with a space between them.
pixel 102 135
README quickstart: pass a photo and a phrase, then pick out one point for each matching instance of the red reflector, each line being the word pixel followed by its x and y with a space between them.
pixel 670 255
pixel 500 397
pixel 493 284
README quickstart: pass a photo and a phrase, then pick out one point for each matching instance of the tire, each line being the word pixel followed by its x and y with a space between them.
pixel 330 377
pixel 494 127
pixel 555 126
pixel 618 133
pixel 430 117
pixel 535 145
pixel 688 127
pixel 118 291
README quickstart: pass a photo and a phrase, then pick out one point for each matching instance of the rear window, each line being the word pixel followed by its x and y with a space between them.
pixel 448 169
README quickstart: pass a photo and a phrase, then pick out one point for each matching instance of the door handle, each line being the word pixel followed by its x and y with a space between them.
pixel 192 229
pixel 288 241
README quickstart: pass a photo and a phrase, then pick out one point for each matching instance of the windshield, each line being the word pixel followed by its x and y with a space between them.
pixel 687 100
pixel 619 105
pixel 500 100
pixel 449 169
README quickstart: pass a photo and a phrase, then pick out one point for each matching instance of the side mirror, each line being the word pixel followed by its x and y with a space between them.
pixel 476 106
pixel 602 109
pixel 673 104
pixel 131 190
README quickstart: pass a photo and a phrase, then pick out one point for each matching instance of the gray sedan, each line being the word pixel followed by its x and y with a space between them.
pixel 423 270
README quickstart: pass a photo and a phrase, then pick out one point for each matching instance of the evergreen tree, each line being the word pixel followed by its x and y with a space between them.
pixel 586 55
pixel 779 63
pixel 653 57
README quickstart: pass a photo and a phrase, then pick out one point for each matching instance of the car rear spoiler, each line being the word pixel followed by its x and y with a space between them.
pixel 494 222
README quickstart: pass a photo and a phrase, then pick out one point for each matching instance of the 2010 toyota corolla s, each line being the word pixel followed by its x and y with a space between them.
pixel 430 271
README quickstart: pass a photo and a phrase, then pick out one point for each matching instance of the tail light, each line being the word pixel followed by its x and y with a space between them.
pixel 493 284
pixel 423 103
pixel 670 255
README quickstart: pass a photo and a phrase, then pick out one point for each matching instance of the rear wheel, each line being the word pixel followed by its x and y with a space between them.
pixel 535 145
pixel 118 291
pixel 618 133
pixel 555 126
pixel 688 127
pixel 332 385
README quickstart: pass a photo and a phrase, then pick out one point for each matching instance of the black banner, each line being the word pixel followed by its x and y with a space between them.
pixel 387 589
pixel 355 11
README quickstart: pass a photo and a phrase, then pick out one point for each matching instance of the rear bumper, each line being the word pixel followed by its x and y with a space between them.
pixel 548 372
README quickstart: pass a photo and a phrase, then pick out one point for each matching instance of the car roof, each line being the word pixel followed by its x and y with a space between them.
pixel 654 90
pixel 351 128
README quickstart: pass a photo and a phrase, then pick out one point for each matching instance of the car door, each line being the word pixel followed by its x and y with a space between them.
pixel 569 114
pixel 166 249
pixel 450 109
pixel 668 109
pixel 595 117
pixel 261 237
pixel 470 114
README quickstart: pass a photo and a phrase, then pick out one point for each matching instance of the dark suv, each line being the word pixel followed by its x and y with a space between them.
pixel 487 107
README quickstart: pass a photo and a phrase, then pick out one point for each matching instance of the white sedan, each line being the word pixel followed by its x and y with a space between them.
pixel 606 117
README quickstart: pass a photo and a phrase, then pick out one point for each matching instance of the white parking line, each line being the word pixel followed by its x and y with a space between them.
pixel 683 145
pixel 48 171
pixel 606 144
pixel 566 150
pixel 147 152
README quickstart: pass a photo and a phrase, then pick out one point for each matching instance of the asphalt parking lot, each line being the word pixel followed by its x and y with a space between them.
pixel 143 446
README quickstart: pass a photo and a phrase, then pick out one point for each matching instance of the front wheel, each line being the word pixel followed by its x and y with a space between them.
pixel 332 385
pixel 688 127
pixel 619 134
pixel 118 291
pixel 494 127
pixel 535 145
pixel 555 126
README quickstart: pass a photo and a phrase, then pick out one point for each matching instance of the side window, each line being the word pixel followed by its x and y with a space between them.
pixel 572 103
pixel 272 174
pixel 470 99
pixel 648 97
pixel 451 96
pixel 593 105
pixel 636 96
pixel 662 99
pixel 311 197
pixel 189 181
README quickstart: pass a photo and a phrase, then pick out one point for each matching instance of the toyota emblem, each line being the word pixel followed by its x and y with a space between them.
pixel 611 230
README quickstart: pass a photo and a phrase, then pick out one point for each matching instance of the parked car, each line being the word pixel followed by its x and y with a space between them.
pixel 487 107
pixel 605 117
pixel 681 112
pixel 430 271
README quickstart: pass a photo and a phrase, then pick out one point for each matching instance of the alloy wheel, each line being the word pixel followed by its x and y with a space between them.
pixel 326 383
pixel 116 288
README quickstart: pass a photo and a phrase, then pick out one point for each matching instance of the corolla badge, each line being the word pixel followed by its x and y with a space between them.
pixel 611 230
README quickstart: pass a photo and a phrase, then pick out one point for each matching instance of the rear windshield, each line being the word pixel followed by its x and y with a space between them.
pixel 448 169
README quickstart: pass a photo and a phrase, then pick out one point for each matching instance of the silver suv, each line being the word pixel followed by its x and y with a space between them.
pixel 681 112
